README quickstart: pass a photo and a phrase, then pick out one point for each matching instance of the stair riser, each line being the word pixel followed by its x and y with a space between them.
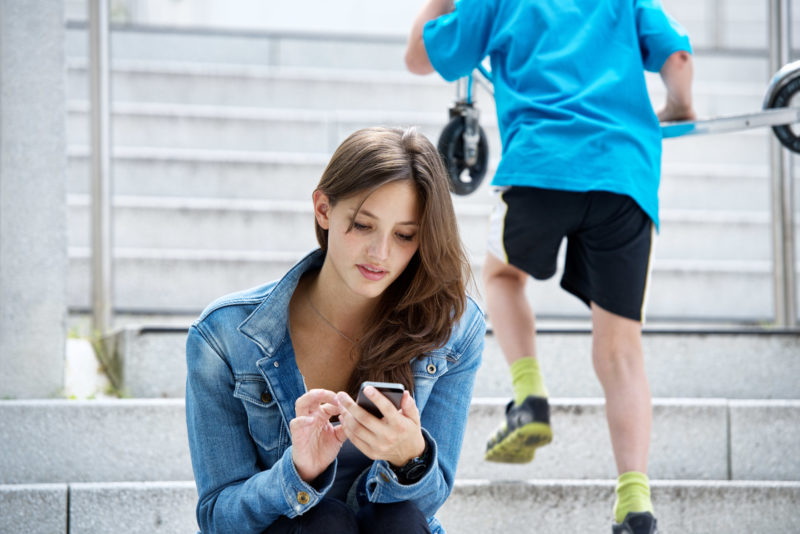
pixel 679 365
pixel 587 508
pixel 291 227
pixel 188 285
pixel 331 89
pixel 83 441
pixel 344 54
pixel 745 189
pixel 473 506
pixel 401 93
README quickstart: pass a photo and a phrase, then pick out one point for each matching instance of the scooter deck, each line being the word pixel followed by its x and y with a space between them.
pixel 732 123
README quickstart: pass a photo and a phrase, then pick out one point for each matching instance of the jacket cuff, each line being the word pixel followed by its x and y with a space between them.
pixel 382 484
pixel 301 496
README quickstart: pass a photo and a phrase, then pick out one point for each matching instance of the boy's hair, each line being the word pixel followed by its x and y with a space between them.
pixel 417 312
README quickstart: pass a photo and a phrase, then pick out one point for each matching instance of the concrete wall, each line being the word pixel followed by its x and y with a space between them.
pixel 33 245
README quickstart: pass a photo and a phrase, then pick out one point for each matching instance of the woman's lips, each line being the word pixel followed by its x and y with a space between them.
pixel 370 272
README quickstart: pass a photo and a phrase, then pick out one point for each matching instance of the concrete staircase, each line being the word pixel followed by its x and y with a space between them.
pixel 220 139
pixel 723 459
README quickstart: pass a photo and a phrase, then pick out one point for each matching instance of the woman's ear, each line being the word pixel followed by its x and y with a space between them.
pixel 322 207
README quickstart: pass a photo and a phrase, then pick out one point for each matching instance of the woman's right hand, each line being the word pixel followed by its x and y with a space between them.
pixel 315 441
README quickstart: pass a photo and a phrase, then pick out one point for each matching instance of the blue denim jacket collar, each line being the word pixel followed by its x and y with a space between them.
pixel 267 325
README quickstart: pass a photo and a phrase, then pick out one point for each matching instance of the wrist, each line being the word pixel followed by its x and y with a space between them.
pixel 417 451
pixel 414 469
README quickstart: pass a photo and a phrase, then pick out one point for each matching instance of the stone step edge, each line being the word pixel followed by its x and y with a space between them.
pixel 478 403
pixel 748 171
pixel 462 483
pixel 358 75
pixel 651 328
pixel 682 266
pixel 483 209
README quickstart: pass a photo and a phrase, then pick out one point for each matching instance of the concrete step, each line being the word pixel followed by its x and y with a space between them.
pixel 278 48
pixel 496 507
pixel 253 129
pixel 491 507
pixel 299 131
pixel 145 440
pixel 321 88
pixel 287 128
pixel 255 86
pixel 292 176
pixel 237 224
pixel 710 31
pixel 185 281
pixel 680 363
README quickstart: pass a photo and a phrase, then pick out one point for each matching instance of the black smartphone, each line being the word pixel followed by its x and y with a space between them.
pixel 391 390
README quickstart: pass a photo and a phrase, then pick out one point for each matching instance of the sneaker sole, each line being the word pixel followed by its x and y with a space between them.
pixel 520 445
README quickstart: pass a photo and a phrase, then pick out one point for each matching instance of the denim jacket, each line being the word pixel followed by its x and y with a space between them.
pixel 241 388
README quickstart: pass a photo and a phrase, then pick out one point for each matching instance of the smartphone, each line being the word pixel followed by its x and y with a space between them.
pixel 391 390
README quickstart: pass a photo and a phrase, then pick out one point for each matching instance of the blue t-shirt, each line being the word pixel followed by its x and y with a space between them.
pixel 572 103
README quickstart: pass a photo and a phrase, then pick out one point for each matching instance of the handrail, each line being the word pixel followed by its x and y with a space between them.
pixel 782 190
pixel 100 103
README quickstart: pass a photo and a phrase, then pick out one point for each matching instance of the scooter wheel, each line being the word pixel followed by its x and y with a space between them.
pixel 463 178
pixel 781 99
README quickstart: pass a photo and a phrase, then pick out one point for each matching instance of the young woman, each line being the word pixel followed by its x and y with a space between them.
pixel 272 369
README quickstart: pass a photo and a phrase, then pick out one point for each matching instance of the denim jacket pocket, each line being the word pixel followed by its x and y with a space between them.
pixel 263 414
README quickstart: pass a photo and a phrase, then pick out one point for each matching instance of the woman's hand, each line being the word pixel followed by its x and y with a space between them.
pixel 315 441
pixel 396 438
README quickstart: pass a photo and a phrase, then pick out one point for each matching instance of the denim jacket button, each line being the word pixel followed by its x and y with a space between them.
pixel 266 398
pixel 276 364
pixel 431 368
pixel 384 477
pixel 302 497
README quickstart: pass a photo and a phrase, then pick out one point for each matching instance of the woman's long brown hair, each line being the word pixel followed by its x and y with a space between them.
pixel 416 314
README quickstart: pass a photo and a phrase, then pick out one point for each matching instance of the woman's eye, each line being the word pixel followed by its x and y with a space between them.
pixel 406 237
pixel 359 226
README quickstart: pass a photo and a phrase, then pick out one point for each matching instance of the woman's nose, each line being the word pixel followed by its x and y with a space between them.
pixel 379 247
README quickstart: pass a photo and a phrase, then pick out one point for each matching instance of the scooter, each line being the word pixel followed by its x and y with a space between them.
pixel 466 151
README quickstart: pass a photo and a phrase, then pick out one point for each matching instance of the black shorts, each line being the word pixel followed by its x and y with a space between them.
pixel 609 243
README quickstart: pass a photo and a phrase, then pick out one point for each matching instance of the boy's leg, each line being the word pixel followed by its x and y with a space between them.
pixel 513 324
pixel 619 363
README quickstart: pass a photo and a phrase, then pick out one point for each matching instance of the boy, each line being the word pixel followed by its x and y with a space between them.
pixel 581 159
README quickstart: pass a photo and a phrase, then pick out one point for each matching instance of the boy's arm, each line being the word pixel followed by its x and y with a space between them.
pixel 676 73
pixel 416 56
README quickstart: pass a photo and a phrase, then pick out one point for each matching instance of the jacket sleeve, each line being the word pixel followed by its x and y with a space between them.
pixel 235 493
pixel 444 420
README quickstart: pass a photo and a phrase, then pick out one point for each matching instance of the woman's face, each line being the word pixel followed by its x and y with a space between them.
pixel 384 237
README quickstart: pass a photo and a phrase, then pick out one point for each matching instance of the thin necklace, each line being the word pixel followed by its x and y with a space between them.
pixel 308 298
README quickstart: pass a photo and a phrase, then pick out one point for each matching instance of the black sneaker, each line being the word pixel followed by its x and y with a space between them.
pixel 636 523
pixel 526 428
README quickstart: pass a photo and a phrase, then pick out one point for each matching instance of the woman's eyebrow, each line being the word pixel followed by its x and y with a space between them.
pixel 373 216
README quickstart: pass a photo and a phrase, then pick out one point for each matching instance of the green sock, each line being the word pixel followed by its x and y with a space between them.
pixel 633 495
pixel 526 379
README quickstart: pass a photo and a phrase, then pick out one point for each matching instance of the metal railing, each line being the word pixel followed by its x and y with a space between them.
pixel 101 215
pixel 782 190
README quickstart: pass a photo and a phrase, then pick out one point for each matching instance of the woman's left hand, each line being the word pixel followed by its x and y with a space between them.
pixel 396 438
